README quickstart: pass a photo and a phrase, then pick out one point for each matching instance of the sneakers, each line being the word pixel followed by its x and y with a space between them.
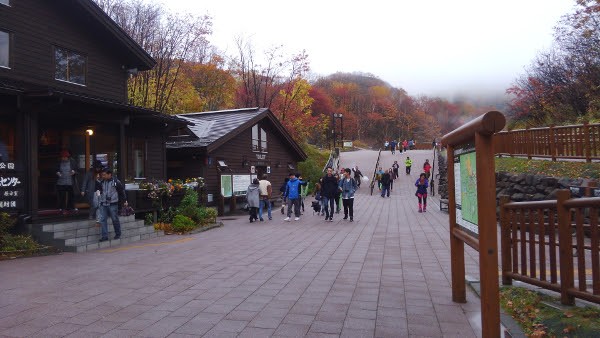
pixel 287 219
pixel 420 210
pixel 117 236
pixel 262 220
pixel 346 217
pixel 351 220
pixel 331 219
pixel 297 219
pixel 104 239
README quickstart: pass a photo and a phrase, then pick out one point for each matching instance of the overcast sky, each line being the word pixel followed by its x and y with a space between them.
pixel 435 47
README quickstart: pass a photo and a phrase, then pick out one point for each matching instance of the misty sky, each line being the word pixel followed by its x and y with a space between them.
pixel 435 47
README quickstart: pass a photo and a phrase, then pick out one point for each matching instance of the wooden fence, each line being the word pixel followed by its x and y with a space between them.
pixel 566 142
pixel 553 244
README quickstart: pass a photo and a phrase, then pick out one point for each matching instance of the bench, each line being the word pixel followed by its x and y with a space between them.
pixel 443 204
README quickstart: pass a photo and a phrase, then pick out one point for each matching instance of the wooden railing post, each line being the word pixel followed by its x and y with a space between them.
pixel 552 144
pixel 505 241
pixel 565 243
pixel 528 142
pixel 586 142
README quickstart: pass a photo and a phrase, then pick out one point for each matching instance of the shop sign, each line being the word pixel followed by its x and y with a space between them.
pixel 11 187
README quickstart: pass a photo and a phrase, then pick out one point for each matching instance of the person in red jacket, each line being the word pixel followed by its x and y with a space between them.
pixel 427 169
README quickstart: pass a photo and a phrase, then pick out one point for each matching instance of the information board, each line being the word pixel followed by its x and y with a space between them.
pixel 241 183
pixel 226 187
pixel 12 194
pixel 465 192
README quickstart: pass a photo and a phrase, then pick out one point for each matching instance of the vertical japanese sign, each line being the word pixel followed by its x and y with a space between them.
pixel 11 187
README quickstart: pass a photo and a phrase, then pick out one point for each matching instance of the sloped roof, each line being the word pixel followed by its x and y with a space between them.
pixel 138 56
pixel 215 128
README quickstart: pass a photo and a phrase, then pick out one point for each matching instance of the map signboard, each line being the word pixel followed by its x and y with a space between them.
pixel 226 188
pixel 465 182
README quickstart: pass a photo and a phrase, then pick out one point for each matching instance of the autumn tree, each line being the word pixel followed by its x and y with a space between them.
pixel 171 39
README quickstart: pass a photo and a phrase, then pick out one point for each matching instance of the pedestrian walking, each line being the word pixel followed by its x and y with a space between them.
pixel 357 176
pixel 408 164
pixel 338 195
pixel 253 199
pixel 266 190
pixel 112 195
pixel 391 173
pixel 318 195
pixel 282 191
pixel 385 183
pixel 303 191
pixel 395 166
pixel 378 176
pixel 292 194
pixel 393 145
pixel 329 193
pixel 427 169
pixel 347 187
pixel 422 185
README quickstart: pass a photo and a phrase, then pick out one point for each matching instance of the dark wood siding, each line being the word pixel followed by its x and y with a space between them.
pixel 234 151
pixel 36 26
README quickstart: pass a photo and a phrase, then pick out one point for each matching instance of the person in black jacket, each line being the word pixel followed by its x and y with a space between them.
pixel 385 183
pixel 329 191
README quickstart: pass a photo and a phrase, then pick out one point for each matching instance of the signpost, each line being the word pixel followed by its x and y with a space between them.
pixel 472 211
pixel 12 194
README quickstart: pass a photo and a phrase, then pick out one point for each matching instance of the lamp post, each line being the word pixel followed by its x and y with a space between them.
pixel 334 129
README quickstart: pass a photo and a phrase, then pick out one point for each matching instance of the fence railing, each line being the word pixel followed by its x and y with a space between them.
pixel 553 244
pixel 566 142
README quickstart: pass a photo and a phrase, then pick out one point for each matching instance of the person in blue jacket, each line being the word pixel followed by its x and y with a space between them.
pixel 348 186
pixel 292 194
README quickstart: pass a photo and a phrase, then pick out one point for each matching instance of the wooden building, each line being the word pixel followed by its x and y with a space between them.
pixel 64 67
pixel 232 146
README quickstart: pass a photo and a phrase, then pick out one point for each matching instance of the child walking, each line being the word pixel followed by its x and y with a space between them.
pixel 421 193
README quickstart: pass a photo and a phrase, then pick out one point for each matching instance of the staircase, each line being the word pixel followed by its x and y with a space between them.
pixel 83 235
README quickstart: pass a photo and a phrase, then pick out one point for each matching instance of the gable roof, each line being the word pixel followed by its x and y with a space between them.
pixel 139 58
pixel 213 129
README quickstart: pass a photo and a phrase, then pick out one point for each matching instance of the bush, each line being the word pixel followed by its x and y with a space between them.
pixel 207 215
pixel 166 216
pixel 189 206
pixel 17 243
pixel 312 168
pixel 6 223
pixel 183 223
pixel 166 227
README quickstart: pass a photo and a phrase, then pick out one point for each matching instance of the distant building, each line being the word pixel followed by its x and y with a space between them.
pixel 240 143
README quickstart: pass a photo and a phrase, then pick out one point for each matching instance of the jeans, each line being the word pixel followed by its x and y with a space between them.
pixel 408 170
pixel 385 189
pixel 293 202
pixel 329 205
pixel 260 207
pixel 111 211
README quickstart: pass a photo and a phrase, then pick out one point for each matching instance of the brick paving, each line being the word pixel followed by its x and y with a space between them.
pixel 387 274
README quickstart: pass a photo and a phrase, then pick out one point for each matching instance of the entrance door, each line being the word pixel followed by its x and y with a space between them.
pixel 93 142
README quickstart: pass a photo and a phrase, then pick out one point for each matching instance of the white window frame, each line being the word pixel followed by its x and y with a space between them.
pixel 7 66
pixel 259 142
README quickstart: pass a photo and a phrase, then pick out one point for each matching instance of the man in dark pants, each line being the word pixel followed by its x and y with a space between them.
pixel 112 193
pixel 348 187
pixel 385 184
pixel 329 191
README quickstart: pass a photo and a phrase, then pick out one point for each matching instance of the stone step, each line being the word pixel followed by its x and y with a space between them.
pixel 84 235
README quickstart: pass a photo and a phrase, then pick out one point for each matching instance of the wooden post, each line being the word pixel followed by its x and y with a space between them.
pixel 552 144
pixel 488 236
pixel 457 246
pixel 586 142
pixel 565 243
pixel 505 231
pixel 528 142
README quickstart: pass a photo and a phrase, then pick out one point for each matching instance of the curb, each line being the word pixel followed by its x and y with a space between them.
pixel 510 326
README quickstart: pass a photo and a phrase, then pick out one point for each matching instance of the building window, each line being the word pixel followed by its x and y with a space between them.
pixel 139 158
pixel 259 139
pixel 4 49
pixel 70 66
pixel 5 2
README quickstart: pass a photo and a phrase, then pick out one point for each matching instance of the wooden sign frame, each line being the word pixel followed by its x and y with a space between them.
pixel 478 132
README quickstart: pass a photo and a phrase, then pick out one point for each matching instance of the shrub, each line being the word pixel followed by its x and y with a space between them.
pixel 166 227
pixel 17 243
pixel 189 206
pixel 183 223
pixel 148 218
pixel 166 216
pixel 207 215
pixel 6 223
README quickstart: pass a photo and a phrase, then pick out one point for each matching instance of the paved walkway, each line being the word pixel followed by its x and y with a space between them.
pixel 385 275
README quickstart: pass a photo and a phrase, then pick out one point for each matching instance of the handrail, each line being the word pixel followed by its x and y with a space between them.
pixel 486 124
pixel 372 185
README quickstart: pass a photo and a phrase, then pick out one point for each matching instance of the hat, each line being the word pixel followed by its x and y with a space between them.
pixel 65 153
pixel 255 181
pixel 107 170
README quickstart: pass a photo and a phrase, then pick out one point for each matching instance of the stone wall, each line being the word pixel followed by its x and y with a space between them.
pixel 529 187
